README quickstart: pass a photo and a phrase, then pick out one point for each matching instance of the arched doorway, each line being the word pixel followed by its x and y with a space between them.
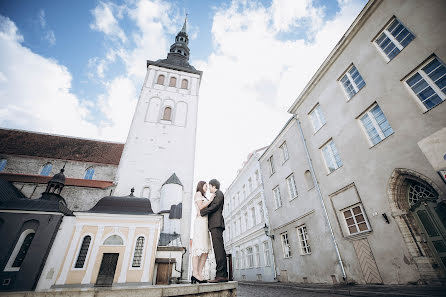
pixel 420 213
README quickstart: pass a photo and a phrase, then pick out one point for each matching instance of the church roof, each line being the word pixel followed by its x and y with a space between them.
pixel 123 205
pixel 8 191
pixel 27 143
pixel 173 179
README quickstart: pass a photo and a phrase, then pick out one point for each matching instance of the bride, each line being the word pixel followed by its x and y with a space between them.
pixel 201 243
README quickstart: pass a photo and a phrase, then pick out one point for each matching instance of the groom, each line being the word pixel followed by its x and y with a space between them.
pixel 216 225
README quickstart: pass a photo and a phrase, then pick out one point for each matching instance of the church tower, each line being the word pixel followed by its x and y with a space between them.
pixel 158 156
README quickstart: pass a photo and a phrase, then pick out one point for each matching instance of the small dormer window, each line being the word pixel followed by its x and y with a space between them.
pixel 160 80
pixel 167 114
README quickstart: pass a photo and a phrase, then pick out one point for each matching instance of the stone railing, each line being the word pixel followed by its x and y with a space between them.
pixel 203 290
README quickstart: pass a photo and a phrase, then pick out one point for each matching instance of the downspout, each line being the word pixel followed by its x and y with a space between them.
pixel 313 175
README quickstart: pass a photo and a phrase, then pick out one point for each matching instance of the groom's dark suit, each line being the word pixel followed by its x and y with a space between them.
pixel 216 226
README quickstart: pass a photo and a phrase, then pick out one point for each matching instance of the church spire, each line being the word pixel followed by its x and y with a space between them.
pixel 184 25
pixel 179 50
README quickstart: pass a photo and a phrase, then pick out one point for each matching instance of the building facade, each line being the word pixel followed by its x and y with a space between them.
pixel 303 247
pixel 246 219
pixel 372 123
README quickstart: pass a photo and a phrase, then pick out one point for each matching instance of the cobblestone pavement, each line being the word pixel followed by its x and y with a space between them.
pixel 244 290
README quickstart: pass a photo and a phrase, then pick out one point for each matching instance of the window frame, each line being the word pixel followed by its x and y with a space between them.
pixel 250 257
pixel 275 197
pixel 17 248
pixel 389 35
pixel 272 169
pixel 257 256
pixel 284 152
pixel 158 78
pixel 427 79
pixel 317 112
pixel 352 82
pixel 78 249
pixel 291 176
pixel 331 155
pixel 45 166
pixel 304 242
pixel 164 113
pixel 356 224
pixel 267 255
pixel 143 252
pixel 374 123
pixel 286 247
pixel 182 84
pixel 87 172
pixel 173 78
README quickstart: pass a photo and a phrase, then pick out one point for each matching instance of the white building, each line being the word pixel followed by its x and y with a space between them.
pixel 245 219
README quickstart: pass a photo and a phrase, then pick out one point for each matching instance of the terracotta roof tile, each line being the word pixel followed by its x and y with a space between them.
pixel 26 143
pixel 40 179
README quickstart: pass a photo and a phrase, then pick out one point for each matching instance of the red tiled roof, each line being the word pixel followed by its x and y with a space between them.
pixel 40 179
pixel 26 143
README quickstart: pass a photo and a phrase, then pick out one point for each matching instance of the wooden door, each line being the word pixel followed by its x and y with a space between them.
pixel 163 273
pixel 107 270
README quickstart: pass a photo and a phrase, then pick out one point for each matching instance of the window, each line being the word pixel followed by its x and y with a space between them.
pixel 114 240
pixel 89 173
pixel 257 177
pixel 261 211
pixel 234 229
pixel 375 124
pixel 253 216
pixel 237 260
pixel 250 185
pixel 20 250
pixel 229 231
pixel 393 39
pixel 238 198
pixel 257 255
pixel 285 245
pixel 145 192
pixel 137 255
pixel 352 82
pixel 167 114
pixel 303 240
pixel 3 163
pixel 239 227
pixel 292 190
pixel 184 84
pixel 271 165
pixel 82 256
pixel 428 83
pixel 160 80
pixel 355 220
pixel 309 180
pixel 244 191
pixel 266 253
pixel 284 150
pixel 250 257
pixel 173 82
pixel 317 118
pixel 46 170
pixel 243 260
pixel 331 156
pixel 246 220
pixel 277 198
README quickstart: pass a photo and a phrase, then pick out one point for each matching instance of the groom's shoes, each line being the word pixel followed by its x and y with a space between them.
pixel 219 279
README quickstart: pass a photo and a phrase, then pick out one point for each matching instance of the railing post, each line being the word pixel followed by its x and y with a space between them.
pixel 229 262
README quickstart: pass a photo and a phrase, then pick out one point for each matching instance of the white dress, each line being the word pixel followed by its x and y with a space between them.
pixel 201 242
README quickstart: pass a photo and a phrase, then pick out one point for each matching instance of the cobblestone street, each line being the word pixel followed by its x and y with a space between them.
pixel 244 290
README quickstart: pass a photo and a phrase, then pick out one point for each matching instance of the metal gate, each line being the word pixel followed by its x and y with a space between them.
pixel 107 270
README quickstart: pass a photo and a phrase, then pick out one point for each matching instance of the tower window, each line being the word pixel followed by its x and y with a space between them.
pixel 137 256
pixel 173 82
pixel 167 114
pixel 89 173
pixel 160 80
pixel 46 170
pixel 184 84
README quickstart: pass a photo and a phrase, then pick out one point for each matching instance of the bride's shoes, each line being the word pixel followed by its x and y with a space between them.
pixel 194 280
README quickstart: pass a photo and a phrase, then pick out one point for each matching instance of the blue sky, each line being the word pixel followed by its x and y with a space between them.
pixel 76 67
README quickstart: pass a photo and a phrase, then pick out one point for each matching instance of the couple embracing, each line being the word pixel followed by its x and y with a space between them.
pixel 209 219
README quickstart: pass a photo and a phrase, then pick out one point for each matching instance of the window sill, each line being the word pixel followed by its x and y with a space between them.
pixel 293 198
pixel 314 133
pixel 306 254
pixel 285 161
pixel 290 257
pixel 335 170
pixel 381 141
pixel 349 99
pixel 359 235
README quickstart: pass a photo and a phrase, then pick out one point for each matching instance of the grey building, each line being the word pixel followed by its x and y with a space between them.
pixel 373 121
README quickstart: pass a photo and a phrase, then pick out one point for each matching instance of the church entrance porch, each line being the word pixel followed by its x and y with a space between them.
pixel 107 270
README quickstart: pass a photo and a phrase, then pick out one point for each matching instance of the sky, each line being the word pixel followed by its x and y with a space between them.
pixel 76 67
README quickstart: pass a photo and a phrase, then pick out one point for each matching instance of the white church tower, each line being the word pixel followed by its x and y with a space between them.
pixel 158 156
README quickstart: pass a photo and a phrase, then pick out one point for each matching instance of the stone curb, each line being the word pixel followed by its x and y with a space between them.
pixel 342 291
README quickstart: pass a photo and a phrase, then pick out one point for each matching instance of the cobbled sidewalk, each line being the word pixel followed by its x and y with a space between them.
pixel 357 290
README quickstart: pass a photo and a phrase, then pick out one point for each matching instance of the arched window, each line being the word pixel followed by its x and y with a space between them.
pixel 46 170
pixel 137 255
pixel 89 173
pixel 167 115
pixel 82 256
pixel 160 80
pixel 418 192
pixel 114 240
pixel 20 250
pixel 184 84
pixel 173 82
pixel 308 180
pixel 3 163
pixel 145 192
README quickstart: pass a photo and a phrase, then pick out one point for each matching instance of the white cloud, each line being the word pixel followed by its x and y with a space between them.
pixel 105 21
pixel 48 34
pixel 50 37
pixel 36 94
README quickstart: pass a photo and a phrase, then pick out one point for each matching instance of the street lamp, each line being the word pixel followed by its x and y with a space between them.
pixel 266 229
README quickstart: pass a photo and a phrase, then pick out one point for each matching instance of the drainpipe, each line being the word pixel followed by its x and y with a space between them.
pixel 344 276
